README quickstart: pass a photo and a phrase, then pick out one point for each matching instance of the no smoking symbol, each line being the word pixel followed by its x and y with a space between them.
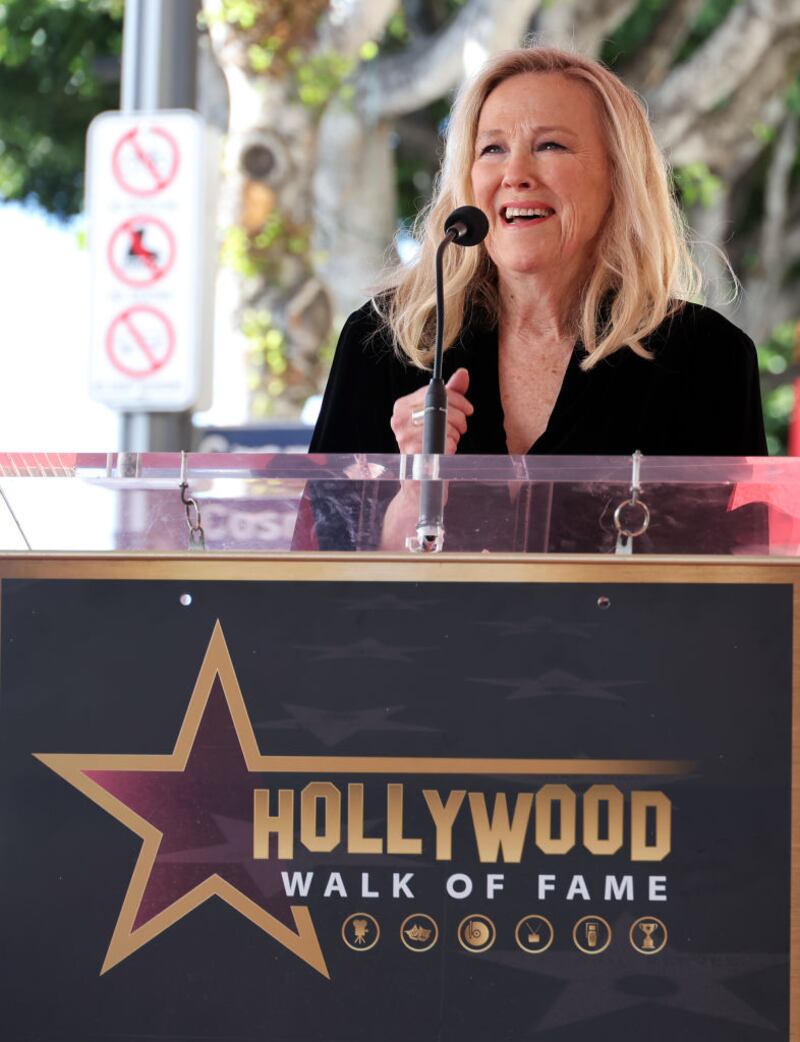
pixel 145 160
pixel 140 341
pixel 141 251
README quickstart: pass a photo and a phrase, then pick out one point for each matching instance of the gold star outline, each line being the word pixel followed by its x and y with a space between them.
pixel 126 939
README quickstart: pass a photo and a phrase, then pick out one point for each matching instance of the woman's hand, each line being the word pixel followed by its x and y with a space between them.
pixel 409 434
pixel 402 515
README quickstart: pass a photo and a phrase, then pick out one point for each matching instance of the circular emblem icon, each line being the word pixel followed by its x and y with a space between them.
pixel 145 160
pixel 648 935
pixel 534 934
pixel 140 341
pixel 141 251
pixel 360 931
pixel 476 933
pixel 591 934
pixel 419 932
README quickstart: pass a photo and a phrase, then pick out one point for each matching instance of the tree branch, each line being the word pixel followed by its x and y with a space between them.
pixel 764 286
pixel 397 84
pixel 791 244
pixel 352 23
pixel 582 25
pixel 729 58
pixel 776 192
pixel 651 62
pixel 725 139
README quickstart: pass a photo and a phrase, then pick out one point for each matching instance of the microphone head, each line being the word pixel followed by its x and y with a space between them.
pixel 470 224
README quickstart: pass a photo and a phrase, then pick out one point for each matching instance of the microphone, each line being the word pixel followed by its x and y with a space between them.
pixel 466 226
pixel 470 225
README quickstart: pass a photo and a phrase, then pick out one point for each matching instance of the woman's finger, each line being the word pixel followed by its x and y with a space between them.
pixel 457 419
pixel 458 401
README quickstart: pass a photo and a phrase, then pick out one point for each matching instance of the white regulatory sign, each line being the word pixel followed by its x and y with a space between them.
pixel 151 181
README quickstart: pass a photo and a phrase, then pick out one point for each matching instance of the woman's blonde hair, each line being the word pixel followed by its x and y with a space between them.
pixel 643 268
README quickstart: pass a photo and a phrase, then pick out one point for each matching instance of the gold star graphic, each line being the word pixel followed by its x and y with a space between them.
pixel 135 789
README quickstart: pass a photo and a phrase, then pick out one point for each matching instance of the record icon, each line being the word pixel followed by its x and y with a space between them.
pixel 476 933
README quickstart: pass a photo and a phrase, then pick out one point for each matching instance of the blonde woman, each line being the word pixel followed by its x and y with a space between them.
pixel 569 329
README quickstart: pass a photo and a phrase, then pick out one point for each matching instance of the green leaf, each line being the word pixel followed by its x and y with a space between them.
pixel 697 184
pixel 368 51
pixel 58 69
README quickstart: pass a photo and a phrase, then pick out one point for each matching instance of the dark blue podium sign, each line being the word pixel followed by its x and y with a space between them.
pixel 335 803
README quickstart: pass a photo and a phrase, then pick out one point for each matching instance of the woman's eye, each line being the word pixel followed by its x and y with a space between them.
pixel 488 149
pixel 549 146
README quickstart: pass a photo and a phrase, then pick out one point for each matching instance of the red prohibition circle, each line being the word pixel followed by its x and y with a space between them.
pixel 156 272
pixel 160 179
pixel 125 321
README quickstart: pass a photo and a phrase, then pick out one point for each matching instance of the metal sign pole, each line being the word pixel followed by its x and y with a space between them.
pixel 159 71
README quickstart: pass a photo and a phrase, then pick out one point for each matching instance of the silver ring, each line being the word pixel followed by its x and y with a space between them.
pixel 417 416
pixel 632 533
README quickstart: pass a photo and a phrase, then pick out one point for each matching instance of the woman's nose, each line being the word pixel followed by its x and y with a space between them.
pixel 520 172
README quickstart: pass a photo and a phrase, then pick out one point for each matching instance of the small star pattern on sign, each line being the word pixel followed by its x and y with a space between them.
pixel 369 648
pixel 332 726
pixel 558 682
pixel 698 984
pixel 539 624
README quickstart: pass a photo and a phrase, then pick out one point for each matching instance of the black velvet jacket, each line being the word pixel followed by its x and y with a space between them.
pixel 698 396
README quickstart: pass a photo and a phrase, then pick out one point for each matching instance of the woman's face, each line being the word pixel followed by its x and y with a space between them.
pixel 541 174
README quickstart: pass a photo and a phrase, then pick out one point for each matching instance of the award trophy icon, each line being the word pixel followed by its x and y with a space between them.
pixel 648 935
pixel 648 929
pixel 591 935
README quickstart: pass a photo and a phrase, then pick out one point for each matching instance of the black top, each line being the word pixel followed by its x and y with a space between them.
pixel 699 396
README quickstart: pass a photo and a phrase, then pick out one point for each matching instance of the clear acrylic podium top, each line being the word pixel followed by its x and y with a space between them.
pixel 255 502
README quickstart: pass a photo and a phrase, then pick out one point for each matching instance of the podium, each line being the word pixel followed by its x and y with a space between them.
pixel 268 774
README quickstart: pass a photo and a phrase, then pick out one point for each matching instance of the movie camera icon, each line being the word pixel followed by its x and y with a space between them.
pixel 360 931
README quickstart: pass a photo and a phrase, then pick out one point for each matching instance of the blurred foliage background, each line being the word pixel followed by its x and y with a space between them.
pixel 59 67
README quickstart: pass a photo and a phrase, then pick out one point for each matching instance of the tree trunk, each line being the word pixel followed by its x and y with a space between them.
pixel 712 227
pixel 355 205
pixel 280 311
pixel 764 286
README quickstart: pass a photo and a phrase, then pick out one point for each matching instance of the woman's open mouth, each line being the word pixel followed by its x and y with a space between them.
pixel 525 215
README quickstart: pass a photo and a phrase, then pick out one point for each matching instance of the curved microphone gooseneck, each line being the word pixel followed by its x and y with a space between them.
pixel 466 226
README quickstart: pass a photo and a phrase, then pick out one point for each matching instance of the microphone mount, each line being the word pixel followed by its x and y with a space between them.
pixel 466 226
